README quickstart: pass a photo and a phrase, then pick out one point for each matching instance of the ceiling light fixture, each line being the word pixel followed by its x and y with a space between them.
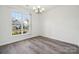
pixel 38 9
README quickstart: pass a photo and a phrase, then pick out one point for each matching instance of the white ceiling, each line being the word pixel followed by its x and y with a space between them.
pixel 47 7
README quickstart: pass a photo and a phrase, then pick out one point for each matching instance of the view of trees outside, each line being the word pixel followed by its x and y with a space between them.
pixel 16 27
pixel 20 23
pixel 25 26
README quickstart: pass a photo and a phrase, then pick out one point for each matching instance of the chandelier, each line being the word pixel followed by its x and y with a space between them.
pixel 38 9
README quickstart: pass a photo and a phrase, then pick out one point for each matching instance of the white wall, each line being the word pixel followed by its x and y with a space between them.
pixel 6 26
pixel 35 25
pixel 62 23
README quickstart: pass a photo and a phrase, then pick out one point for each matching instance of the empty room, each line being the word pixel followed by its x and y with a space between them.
pixel 39 29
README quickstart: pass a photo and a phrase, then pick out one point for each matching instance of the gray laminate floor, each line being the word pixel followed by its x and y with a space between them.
pixel 39 45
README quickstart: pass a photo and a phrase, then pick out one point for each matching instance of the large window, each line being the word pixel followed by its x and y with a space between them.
pixel 20 23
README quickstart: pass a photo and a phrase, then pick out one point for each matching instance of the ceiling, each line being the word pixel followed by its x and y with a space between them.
pixel 47 7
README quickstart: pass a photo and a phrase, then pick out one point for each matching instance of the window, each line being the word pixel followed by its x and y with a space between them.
pixel 20 23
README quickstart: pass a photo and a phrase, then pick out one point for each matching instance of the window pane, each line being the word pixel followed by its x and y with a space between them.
pixel 25 24
pixel 16 25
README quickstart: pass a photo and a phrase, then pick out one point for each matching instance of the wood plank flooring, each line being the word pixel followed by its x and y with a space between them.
pixel 39 45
